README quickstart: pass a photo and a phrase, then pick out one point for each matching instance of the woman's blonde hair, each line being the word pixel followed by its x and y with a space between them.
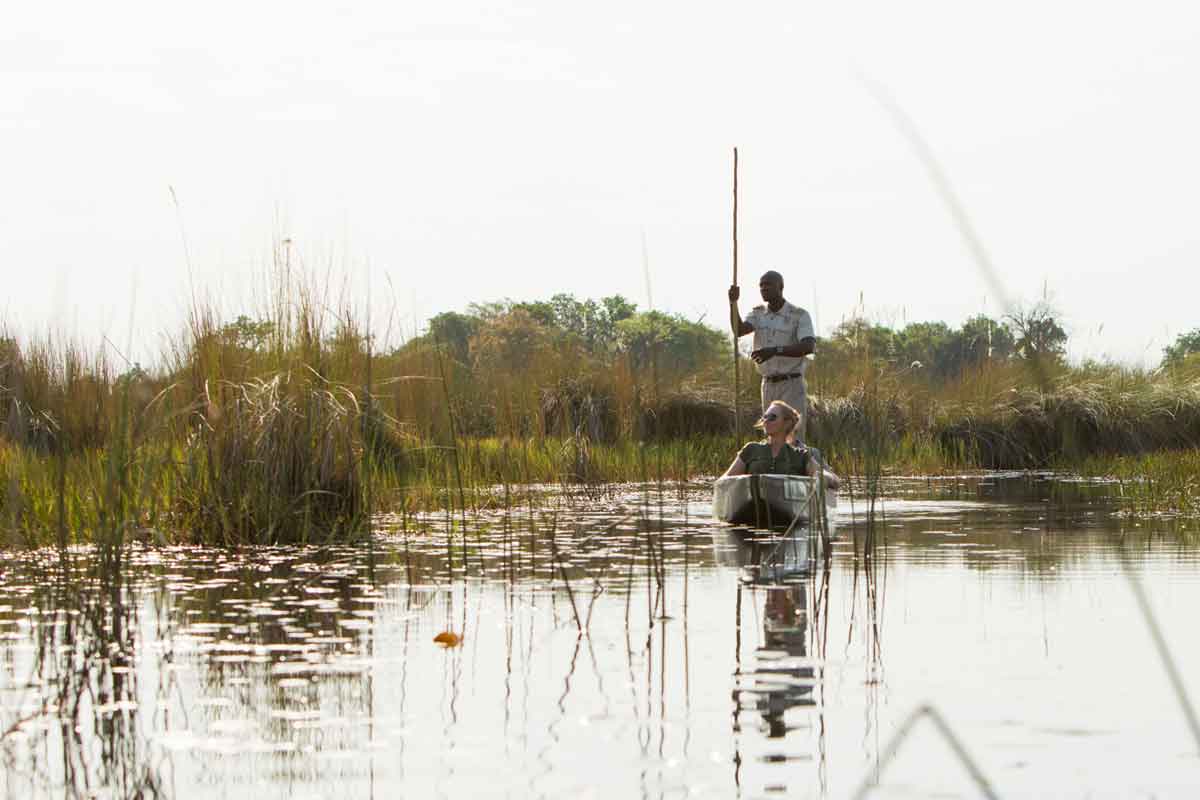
pixel 790 413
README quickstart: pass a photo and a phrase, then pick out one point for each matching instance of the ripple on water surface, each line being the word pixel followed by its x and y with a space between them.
pixel 452 662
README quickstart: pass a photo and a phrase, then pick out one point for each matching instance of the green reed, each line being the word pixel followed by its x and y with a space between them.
pixel 1166 482
pixel 292 426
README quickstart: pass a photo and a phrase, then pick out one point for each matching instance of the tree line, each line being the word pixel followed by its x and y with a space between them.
pixel 490 335
pixel 507 334
pixel 513 333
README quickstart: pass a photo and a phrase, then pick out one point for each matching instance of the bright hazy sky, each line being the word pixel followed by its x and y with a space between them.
pixel 446 153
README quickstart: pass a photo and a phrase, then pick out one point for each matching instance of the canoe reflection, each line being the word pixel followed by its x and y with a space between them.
pixel 765 557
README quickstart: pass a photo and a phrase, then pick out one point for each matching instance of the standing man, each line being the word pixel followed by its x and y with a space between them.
pixel 783 340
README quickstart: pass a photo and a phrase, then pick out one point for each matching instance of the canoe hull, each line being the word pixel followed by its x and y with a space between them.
pixel 767 501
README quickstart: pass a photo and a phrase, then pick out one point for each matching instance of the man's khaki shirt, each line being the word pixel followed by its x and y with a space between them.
pixel 781 328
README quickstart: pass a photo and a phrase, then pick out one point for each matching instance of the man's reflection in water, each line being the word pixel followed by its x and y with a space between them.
pixel 780 677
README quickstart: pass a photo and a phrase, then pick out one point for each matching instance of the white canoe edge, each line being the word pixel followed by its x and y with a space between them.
pixel 766 501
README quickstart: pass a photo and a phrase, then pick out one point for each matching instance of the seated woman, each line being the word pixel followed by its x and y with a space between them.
pixel 777 455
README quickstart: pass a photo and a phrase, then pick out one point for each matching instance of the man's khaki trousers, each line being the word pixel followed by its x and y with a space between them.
pixel 794 392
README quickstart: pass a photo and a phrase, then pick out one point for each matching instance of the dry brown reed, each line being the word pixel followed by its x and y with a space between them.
pixel 274 429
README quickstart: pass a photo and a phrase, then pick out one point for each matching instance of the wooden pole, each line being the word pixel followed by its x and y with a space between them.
pixel 736 403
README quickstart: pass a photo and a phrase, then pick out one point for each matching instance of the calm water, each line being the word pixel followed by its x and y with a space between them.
pixel 1004 604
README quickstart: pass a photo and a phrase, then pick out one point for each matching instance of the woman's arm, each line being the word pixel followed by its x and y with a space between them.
pixel 832 481
pixel 738 467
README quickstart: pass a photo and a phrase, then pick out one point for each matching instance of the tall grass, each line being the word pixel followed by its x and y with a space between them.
pixel 996 417
pixel 281 428
pixel 223 443
pixel 1166 482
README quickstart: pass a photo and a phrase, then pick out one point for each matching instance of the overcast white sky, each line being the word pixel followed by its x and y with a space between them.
pixel 447 153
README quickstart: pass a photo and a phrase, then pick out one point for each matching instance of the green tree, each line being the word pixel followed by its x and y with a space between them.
pixel 950 352
pixel 247 333
pixel 938 350
pixel 1038 335
pixel 857 339
pixel 926 345
pixel 677 344
pixel 580 320
pixel 488 311
pixel 618 308
pixel 454 331
pixel 540 311
pixel 513 341
pixel 593 324
pixel 613 310
pixel 982 339
pixel 1185 345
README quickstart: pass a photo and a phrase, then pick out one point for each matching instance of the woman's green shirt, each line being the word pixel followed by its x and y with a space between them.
pixel 790 461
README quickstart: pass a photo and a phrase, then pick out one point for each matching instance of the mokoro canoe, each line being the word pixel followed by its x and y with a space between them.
pixel 768 501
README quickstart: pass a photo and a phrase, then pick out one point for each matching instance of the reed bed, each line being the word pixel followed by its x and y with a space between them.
pixel 289 427
pixel 1154 484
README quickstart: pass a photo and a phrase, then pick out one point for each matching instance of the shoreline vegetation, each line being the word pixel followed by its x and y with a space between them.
pixel 292 427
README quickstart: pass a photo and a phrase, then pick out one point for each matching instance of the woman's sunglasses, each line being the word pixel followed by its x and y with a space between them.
pixel 769 417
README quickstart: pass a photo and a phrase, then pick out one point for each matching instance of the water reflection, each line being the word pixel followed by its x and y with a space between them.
pixel 776 687
pixel 782 678
pixel 766 558
pixel 77 684
pixel 591 653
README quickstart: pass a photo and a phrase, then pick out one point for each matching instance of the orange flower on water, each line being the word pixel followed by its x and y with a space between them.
pixel 448 639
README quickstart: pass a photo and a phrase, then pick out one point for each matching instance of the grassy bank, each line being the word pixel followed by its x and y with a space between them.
pixel 1009 417
pixel 289 427
pixel 1164 483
